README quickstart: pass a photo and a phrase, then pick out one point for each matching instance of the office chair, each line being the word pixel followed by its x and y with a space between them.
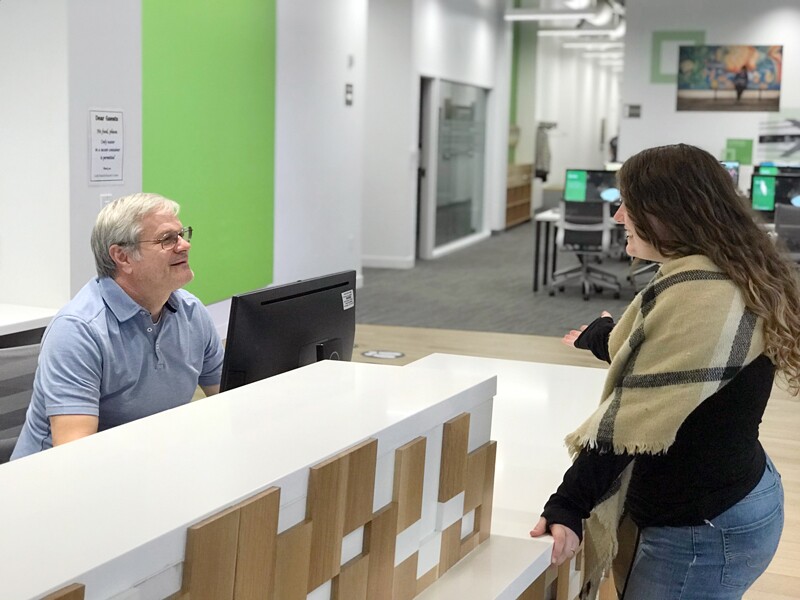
pixel 17 368
pixel 585 228
pixel 787 228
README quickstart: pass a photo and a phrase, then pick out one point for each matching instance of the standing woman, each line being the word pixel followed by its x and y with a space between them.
pixel 669 474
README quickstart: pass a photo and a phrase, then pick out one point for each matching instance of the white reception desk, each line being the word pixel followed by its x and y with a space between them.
pixel 535 407
pixel 111 511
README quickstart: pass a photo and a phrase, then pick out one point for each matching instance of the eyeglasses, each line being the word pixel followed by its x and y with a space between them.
pixel 169 240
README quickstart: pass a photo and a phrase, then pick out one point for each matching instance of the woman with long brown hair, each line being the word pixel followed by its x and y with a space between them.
pixel 669 475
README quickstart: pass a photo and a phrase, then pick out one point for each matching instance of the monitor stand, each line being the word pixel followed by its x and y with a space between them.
pixel 324 350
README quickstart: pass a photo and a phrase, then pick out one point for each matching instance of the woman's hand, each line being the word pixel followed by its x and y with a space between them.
pixel 574 334
pixel 565 541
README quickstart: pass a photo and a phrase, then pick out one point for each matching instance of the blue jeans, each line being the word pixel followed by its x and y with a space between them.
pixel 715 561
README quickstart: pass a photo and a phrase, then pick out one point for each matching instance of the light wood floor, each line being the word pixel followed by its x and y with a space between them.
pixel 780 431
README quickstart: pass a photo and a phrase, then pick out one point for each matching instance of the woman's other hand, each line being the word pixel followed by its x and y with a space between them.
pixel 565 541
pixel 574 334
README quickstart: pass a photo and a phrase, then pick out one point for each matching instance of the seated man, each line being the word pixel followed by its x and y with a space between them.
pixel 131 343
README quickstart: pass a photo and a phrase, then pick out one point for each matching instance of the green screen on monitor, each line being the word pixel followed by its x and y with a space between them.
pixel 575 186
pixel 768 170
pixel 762 193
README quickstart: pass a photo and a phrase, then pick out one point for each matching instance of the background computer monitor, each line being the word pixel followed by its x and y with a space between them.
pixel 732 167
pixel 768 190
pixel 586 185
pixel 771 169
pixel 280 328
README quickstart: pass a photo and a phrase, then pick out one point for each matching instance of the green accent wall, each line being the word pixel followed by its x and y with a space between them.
pixel 685 38
pixel 208 113
pixel 512 113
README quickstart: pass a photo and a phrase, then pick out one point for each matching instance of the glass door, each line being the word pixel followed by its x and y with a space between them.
pixel 453 158
pixel 459 177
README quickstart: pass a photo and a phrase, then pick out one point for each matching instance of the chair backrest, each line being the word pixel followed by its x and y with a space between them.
pixel 17 368
pixel 584 226
pixel 787 228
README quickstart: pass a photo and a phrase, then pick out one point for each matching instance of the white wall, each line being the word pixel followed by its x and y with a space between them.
pixel 319 140
pixel 457 39
pixel 463 41
pixel 576 93
pixel 391 138
pixel 724 22
pixel 105 72
pixel 58 60
pixel 34 153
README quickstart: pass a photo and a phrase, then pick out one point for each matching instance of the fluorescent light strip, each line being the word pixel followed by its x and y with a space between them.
pixel 603 54
pixel 597 45
pixel 575 32
pixel 525 14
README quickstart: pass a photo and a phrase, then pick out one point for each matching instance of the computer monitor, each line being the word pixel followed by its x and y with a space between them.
pixel 732 167
pixel 768 190
pixel 280 328
pixel 773 169
pixel 586 185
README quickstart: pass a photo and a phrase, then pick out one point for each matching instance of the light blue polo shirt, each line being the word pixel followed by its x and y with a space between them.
pixel 103 356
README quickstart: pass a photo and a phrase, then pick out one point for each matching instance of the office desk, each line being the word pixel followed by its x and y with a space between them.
pixel 15 318
pixel 536 405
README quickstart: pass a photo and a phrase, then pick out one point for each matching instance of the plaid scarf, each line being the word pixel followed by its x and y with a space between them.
pixel 684 336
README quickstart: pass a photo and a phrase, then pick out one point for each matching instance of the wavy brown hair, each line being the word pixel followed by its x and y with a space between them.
pixel 682 201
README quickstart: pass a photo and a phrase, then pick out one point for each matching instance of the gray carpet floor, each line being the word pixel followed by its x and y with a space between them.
pixel 486 287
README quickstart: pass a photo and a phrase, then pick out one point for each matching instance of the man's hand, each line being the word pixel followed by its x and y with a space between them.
pixel 574 334
pixel 565 541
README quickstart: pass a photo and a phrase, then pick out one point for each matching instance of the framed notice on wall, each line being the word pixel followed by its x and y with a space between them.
pixel 106 145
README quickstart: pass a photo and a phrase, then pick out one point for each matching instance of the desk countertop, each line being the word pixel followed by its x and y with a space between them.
pixel 16 317
pixel 536 406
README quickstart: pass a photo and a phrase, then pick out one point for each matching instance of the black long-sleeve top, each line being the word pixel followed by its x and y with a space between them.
pixel 715 461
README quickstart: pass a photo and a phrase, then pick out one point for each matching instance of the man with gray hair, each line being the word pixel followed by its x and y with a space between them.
pixel 131 343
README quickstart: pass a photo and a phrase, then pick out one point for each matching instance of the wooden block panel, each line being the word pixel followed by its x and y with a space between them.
pixel 562 582
pixel 209 568
pixel 485 521
pixel 469 543
pixel 258 538
pixel 455 440
pixel 360 485
pixel 327 492
pixel 424 582
pixel 74 591
pixel 409 471
pixel 292 562
pixel 351 582
pixel 380 537
pixel 476 474
pixel 451 547
pixel 405 579
pixel 536 590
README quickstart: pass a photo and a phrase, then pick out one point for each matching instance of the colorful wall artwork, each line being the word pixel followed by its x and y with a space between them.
pixel 729 78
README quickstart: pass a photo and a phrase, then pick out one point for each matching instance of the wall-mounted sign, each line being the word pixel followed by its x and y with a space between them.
pixel 633 111
pixel 106 146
